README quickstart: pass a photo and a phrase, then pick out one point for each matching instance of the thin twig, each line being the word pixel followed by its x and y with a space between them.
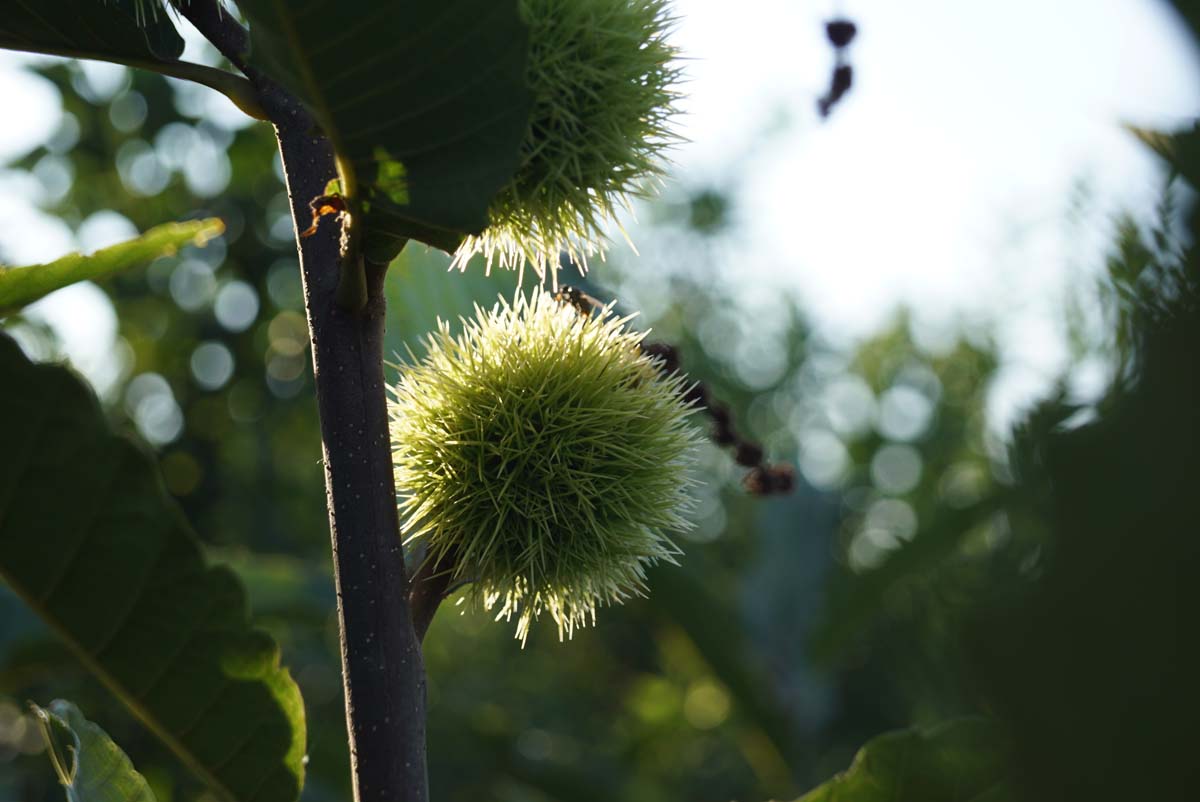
pixel 430 585
pixel 763 478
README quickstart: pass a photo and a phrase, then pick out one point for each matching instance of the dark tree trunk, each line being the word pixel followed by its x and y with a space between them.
pixel 382 669
pixel 381 655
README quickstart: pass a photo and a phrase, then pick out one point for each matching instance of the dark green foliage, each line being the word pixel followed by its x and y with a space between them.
pixel 89 540
pixel 855 603
pixel 1094 667
pixel 426 104
pixel 117 30
pixel 139 33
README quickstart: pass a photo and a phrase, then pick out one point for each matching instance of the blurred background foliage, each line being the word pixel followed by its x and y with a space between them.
pixel 796 629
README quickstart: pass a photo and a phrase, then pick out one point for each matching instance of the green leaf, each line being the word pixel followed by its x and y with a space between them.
pixel 116 30
pixel 90 541
pixel 21 286
pixel 963 760
pixel 137 33
pixel 425 103
pixel 421 291
pixel 89 765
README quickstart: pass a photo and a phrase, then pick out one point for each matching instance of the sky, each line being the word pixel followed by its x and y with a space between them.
pixel 943 180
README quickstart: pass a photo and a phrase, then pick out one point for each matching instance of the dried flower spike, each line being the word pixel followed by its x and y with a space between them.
pixel 602 77
pixel 543 455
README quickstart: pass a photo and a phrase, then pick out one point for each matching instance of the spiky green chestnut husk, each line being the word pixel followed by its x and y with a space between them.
pixel 602 77
pixel 545 455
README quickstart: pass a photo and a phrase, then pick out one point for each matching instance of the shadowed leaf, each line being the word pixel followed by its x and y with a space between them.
pixel 90 541
pixel 117 30
pixel 425 102
pixel 136 33
pixel 1092 664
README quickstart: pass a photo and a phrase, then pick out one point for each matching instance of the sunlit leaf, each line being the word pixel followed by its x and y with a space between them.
pixel 959 761
pixel 425 102
pixel 90 541
pixel 21 286
pixel 420 291
pixel 90 767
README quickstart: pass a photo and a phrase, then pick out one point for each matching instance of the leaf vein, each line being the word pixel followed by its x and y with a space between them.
pixel 440 144
pixel 138 597
pixel 85 533
pixel 43 413
pixel 477 78
pixel 206 709
pixel 220 764
pixel 378 88
pixel 166 668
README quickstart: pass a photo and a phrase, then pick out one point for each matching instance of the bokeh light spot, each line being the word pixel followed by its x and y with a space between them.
pixel 896 469
pixel 904 413
pixel 236 306
pixel 706 705
pixel 212 365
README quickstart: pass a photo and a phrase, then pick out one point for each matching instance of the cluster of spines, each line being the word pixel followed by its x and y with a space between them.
pixel 603 79
pixel 545 456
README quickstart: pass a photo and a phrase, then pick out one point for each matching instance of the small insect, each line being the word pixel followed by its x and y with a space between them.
pixel 839 85
pixel 583 303
pixel 840 33
pixel 321 206
pixel 667 355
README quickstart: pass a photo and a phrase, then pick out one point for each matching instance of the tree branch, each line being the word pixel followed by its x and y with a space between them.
pixel 382 670
pixel 381 656
pixel 429 587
